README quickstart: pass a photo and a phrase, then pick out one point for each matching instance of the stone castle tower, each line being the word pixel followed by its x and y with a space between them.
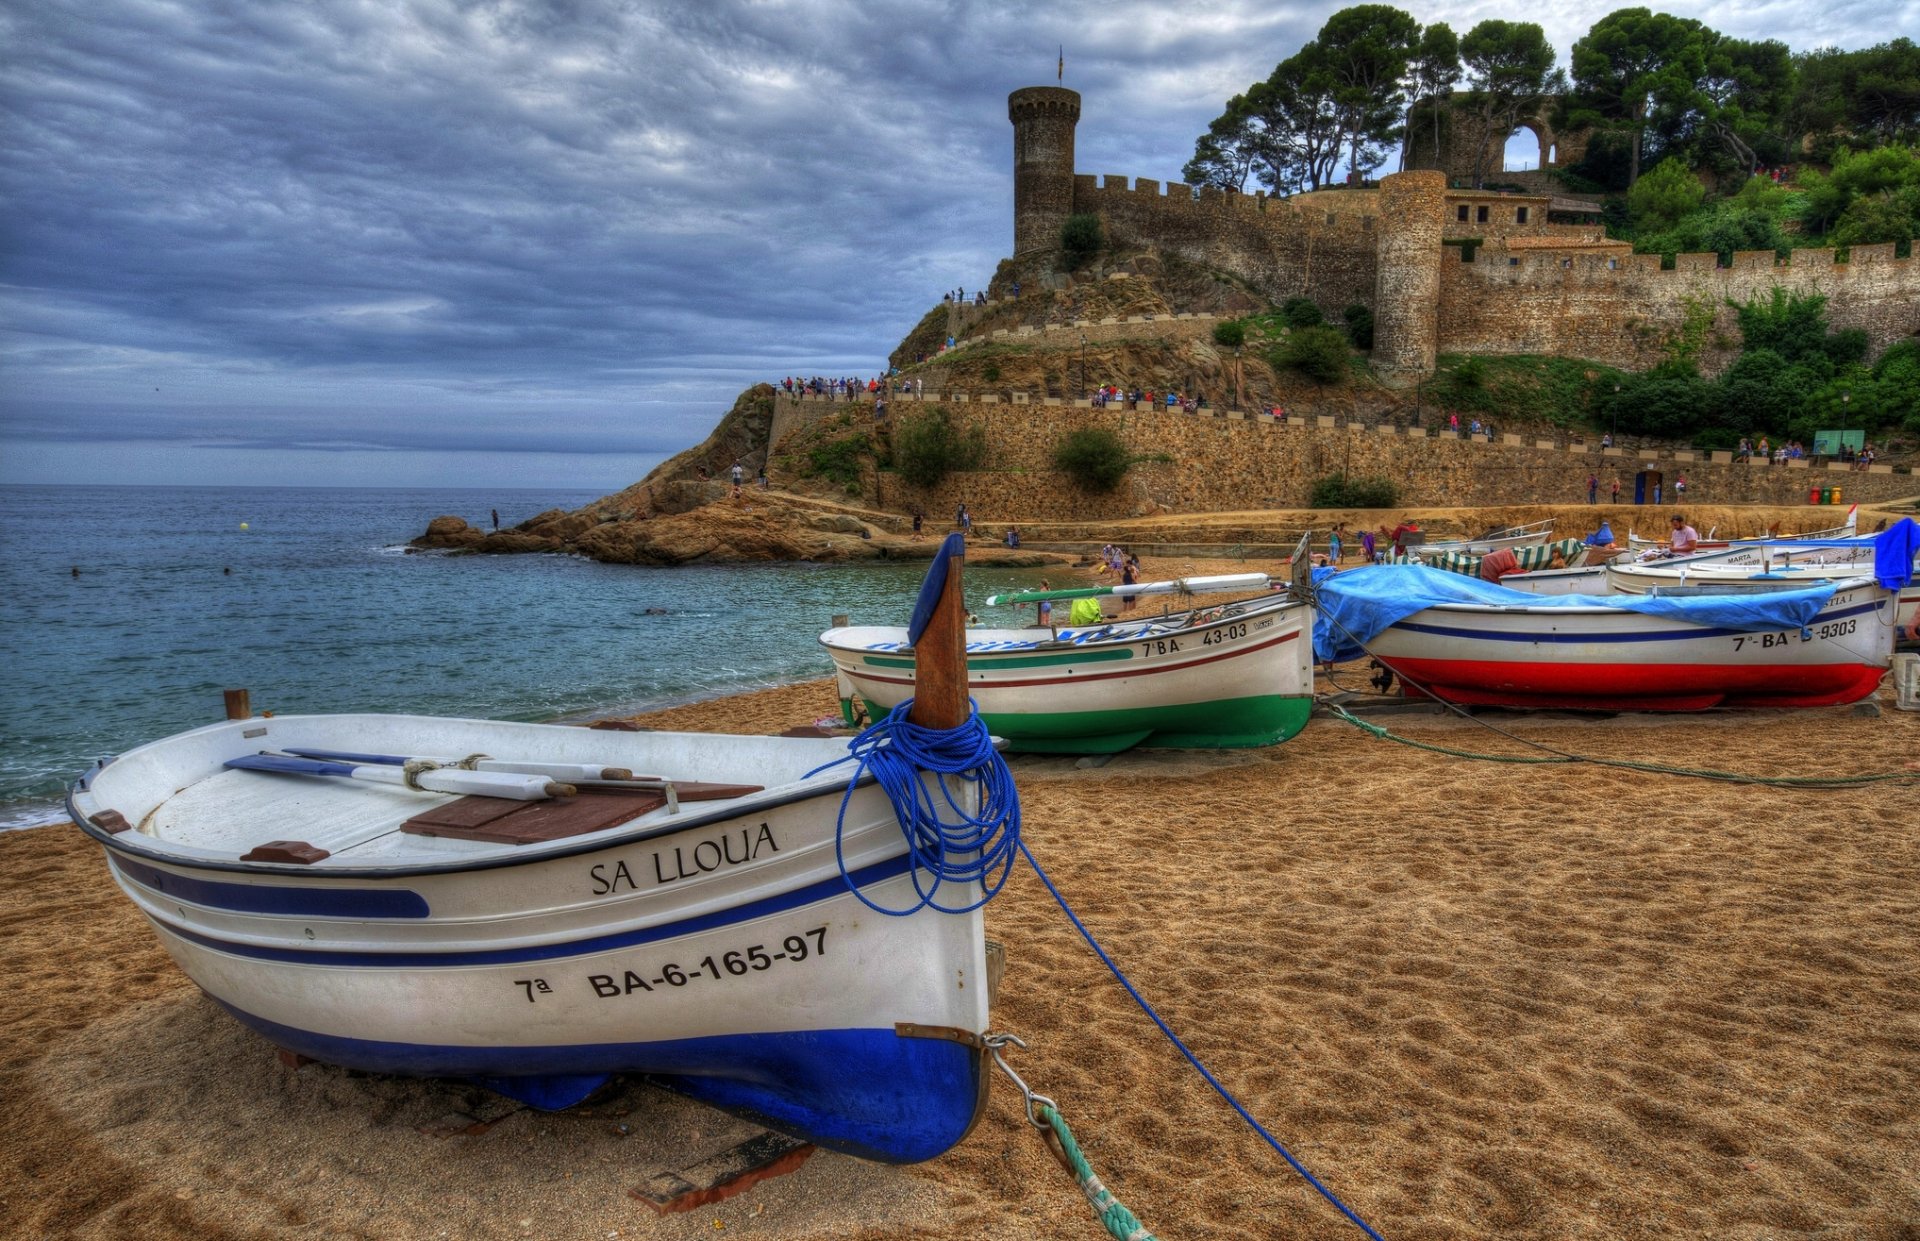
pixel 1399 273
pixel 1043 119
pixel 1406 294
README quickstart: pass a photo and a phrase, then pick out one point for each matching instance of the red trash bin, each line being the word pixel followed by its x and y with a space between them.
pixel 1813 497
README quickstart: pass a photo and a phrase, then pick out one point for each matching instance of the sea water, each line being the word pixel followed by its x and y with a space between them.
pixel 125 611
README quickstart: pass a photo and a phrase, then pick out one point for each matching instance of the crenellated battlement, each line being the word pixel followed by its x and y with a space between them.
pixel 1532 286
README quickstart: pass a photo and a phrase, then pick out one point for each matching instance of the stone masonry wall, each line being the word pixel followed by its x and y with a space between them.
pixel 1282 250
pixel 1622 310
pixel 1226 463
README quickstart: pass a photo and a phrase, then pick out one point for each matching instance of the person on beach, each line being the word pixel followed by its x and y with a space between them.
pixel 1129 576
pixel 1593 488
pixel 1616 491
pixel 1366 546
pixel 1686 540
pixel 496 519
pixel 916 523
pixel 1333 545
pixel 1045 615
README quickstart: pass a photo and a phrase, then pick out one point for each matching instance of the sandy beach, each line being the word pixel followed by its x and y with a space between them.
pixel 1514 999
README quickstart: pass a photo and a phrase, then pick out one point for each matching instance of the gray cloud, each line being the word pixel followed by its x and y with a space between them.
pixel 550 225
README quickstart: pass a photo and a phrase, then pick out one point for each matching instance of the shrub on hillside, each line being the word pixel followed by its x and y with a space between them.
pixel 1230 333
pixel 839 459
pixel 928 446
pixel 1093 457
pixel 1359 325
pixel 1663 197
pixel 1319 353
pixel 1081 239
pixel 1301 312
pixel 1338 491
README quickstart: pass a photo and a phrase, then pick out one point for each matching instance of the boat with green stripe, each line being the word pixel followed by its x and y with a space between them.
pixel 1225 677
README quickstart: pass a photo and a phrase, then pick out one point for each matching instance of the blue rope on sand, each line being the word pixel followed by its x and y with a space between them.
pixel 1173 1038
pixel 897 751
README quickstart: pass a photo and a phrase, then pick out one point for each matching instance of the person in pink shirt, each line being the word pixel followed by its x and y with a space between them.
pixel 1686 540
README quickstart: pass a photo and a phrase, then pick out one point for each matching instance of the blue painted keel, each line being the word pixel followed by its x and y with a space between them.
pixel 869 1093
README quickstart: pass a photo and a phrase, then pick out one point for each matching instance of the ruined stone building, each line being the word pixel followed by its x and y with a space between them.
pixel 1443 270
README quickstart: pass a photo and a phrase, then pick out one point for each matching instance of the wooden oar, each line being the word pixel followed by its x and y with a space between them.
pixel 578 773
pixel 1219 584
pixel 938 633
pixel 440 780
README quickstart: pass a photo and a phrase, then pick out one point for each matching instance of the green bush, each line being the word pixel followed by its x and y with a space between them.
pixel 1338 491
pixel 1230 333
pixel 1093 457
pixel 1359 325
pixel 1081 239
pixel 1664 196
pixel 1319 353
pixel 928 446
pixel 1301 312
pixel 839 459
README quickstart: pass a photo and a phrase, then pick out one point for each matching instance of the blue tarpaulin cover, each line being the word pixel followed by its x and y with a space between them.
pixel 1354 606
pixel 1893 553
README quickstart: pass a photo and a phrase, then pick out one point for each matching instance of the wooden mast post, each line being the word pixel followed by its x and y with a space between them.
pixel 940 656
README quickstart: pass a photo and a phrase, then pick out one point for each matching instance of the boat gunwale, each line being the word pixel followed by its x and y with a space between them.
pixel 1151 627
pixel 591 843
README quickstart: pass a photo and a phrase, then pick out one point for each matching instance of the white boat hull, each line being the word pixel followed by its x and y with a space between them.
pixel 1610 659
pixel 719 948
pixel 1242 678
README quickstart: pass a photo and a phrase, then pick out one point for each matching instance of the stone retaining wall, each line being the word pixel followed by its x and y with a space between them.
pixel 1235 461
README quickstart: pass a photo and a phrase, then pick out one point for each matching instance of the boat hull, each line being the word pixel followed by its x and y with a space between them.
pixel 1608 659
pixel 726 958
pixel 1242 679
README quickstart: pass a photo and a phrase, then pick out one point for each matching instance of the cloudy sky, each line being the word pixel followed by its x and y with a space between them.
pixel 481 242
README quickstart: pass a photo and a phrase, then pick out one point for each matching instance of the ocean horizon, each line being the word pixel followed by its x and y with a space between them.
pixel 125 611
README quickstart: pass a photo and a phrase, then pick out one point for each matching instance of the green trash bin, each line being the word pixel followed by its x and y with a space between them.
pixel 1826 495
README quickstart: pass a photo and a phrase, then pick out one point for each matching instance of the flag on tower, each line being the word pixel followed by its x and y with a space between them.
pixel 1060 70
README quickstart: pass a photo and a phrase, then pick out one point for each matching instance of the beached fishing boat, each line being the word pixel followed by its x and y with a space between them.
pixel 1475 643
pixel 691 907
pixel 1530 535
pixel 1572 554
pixel 1671 575
pixel 1215 677
pixel 1846 529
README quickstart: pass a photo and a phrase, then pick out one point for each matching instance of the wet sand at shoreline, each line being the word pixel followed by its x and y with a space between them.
pixel 1477 999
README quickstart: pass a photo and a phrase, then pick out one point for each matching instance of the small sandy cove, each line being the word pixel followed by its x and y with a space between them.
pixel 1477 999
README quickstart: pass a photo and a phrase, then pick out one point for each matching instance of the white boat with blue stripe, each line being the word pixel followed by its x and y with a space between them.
pixel 706 910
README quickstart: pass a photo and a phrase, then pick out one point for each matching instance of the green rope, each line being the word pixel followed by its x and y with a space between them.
pixel 1559 756
pixel 1119 1221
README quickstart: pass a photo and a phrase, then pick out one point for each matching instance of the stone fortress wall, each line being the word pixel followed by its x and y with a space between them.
pixel 1620 309
pixel 1230 461
pixel 1532 286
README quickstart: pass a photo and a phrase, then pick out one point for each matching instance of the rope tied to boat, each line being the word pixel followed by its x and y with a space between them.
pixel 947 843
pixel 414 768
pixel 1044 1114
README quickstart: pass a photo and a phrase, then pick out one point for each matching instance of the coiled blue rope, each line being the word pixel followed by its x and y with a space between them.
pixel 948 844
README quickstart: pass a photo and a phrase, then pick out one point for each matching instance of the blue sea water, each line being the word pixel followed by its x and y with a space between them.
pixel 308 598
